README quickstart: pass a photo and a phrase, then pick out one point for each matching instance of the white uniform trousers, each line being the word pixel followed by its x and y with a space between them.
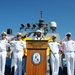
pixel 18 63
pixel 2 62
pixel 55 64
pixel 70 62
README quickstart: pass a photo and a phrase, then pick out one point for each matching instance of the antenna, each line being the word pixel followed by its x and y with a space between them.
pixel 41 21
pixel 41 14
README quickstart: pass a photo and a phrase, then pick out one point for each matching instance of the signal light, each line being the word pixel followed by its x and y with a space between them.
pixel 34 25
pixel 22 25
pixel 28 25
pixel 46 25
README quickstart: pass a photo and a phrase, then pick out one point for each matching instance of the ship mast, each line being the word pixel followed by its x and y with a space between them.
pixel 41 21
pixel 41 14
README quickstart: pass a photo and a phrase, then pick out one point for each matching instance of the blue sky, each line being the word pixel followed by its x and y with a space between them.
pixel 15 12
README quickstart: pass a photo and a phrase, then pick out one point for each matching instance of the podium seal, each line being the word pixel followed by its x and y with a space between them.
pixel 36 58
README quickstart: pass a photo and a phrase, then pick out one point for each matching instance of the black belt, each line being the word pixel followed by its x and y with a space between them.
pixel 70 51
pixel 55 53
pixel 1 50
pixel 18 51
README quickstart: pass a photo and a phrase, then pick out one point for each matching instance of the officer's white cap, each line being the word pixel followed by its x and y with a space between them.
pixel 3 33
pixel 39 31
pixel 69 33
pixel 19 34
pixel 54 35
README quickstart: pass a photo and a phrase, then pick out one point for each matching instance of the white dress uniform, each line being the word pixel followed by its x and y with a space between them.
pixel 3 47
pixel 54 46
pixel 38 38
pixel 18 47
pixel 69 55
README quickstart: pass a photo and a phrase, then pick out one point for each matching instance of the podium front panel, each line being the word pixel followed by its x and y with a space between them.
pixel 36 59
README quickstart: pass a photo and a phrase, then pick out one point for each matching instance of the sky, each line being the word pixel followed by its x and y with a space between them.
pixel 15 12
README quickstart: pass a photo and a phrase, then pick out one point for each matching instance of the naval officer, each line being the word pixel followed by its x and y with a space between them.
pixel 3 47
pixel 69 47
pixel 38 35
pixel 19 45
pixel 54 46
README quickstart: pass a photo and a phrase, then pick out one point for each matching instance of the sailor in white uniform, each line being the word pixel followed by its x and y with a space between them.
pixel 69 47
pixel 3 47
pixel 54 46
pixel 18 45
pixel 38 35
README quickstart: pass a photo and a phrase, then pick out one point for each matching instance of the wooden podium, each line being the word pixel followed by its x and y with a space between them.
pixel 36 57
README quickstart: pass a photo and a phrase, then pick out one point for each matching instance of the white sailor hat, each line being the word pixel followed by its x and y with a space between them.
pixel 3 33
pixel 19 34
pixel 54 35
pixel 39 31
pixel 68 34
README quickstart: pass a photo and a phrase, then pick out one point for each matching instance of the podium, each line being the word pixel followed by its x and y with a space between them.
pixel 36 57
